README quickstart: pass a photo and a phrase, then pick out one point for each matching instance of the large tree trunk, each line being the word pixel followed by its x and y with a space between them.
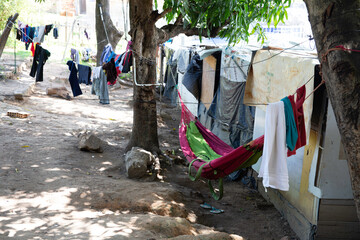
pixel 144 38
pixel 5 35
pixel 113 34
pixel 337 23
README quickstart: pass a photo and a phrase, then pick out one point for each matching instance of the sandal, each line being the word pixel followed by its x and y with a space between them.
pixel 216 211
pixel 206 206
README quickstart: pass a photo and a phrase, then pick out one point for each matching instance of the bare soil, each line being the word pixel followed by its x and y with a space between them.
pixel 49 189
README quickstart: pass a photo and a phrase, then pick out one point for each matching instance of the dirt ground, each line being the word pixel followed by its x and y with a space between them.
pixel 49 189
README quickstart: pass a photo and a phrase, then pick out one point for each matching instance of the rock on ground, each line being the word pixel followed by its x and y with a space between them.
pixel 90 142
pixel 137 161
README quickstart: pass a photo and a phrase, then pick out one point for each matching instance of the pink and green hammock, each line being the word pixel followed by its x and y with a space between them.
pixel 209 155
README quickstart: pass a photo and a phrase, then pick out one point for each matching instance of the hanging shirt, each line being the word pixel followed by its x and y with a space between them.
pixel 31 33
pixel 55 33
pixel 273 167
pixel 127 63
pixel 74 55
pixel 73 79
pixel 111 73
pixel 40 36
pixel 18 34
pixel 48 29
pixel 84 74
pixel 291 129
pixel 40 57
pixel 99 85
pixel 105 54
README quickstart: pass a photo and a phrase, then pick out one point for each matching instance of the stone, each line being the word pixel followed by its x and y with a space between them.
pixel 137 161
pixel 90 142
pixel 61 92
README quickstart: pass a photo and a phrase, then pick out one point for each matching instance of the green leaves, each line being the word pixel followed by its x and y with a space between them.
pixel 238 19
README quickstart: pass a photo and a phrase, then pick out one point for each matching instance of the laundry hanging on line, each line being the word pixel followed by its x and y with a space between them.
pixel 73 79
pixel 84 74
pixel 123 61
pixel 75 55
pixel 28 34
pixel 284 134
pixel 39 60
pixel 99 85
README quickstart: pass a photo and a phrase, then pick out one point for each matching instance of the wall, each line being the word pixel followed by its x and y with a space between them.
pixel 298 168
pixel 334 178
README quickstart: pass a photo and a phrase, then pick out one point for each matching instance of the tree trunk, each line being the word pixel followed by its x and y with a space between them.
pixel 144 38
pixel 5 35
pixel 113 34
pixel 337 23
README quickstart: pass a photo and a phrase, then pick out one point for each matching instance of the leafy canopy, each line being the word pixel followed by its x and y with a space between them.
pixel 237 19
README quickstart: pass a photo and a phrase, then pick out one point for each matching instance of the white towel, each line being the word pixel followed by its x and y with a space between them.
pixel 273 167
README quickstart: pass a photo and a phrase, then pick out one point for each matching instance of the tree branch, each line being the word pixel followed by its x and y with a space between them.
pixel 155 15
pixel 172 30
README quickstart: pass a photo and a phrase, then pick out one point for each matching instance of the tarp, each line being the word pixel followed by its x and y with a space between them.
pixel 273 76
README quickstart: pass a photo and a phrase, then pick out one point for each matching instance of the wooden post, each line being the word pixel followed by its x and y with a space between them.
pixel 5 35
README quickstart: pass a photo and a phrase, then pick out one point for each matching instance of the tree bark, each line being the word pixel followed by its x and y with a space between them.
pixel 5 35
pixel 337 23
pixel 113 34
pixel 144 37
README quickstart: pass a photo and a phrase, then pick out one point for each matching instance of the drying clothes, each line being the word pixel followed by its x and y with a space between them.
pixel 73 79
pixel 86 52
pixel 21 24
pixel 291 129
pixel 84 74
pixel 127 62
pixel 105 54
pixel 32 49
pixel 193 76
pixel 31 33
pixel 99 85
pixel 48 28
pixel 86 34
pixel 40 36
pixel 273 167
pixel 18 34
pixel 299 118
pixel 110 69
pixel 55 33
pixel 74 55
pixel 112 55
pixel 27 30
pixel 40 57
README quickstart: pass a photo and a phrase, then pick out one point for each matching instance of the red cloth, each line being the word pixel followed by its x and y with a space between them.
pixel 32 49
pixel 299 118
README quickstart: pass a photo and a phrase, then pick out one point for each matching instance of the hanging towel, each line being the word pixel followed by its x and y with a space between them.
pixel 73 79
pixel 273 167
pixel 291 129
pixel 99 85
